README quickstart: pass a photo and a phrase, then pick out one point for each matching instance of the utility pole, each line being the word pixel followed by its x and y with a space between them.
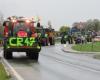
pixel 49 25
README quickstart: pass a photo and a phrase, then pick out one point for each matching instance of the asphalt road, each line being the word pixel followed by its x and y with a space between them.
pixel 54 64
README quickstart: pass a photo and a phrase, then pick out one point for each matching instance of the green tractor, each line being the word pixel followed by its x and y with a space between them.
pixel 46 36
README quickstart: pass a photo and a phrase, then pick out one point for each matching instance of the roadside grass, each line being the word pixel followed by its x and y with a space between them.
pixel 89 47
pixel 3 75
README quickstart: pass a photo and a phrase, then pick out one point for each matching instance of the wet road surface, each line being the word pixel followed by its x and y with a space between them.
pixel 54 64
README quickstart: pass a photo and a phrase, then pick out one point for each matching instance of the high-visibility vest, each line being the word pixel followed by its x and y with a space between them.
pixel 46 35
pixel 39 34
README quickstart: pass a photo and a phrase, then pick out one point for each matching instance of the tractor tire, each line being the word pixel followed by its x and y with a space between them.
pixel 7 54
pixel 33 55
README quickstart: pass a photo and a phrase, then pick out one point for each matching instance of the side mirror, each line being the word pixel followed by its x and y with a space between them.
pixel 38 24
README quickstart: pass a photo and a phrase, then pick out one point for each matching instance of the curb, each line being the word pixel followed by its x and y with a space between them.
pixel 10 70
pixel 72 52
pixel 80 52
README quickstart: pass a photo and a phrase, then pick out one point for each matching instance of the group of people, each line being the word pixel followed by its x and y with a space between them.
pixel 77 39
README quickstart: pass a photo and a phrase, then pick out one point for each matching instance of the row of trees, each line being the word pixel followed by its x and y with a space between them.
pixel 64 29
pixel 89 25
pixel 92 25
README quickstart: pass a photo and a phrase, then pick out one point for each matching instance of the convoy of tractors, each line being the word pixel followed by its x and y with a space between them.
pixel 20 35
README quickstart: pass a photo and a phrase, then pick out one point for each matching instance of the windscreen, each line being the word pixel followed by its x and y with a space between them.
pixel 21 26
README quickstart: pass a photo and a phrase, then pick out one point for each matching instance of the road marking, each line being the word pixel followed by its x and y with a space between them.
pixel 65 45
pixel 57 44
pixel 13 71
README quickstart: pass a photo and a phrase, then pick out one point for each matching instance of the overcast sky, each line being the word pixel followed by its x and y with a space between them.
pixel 59 12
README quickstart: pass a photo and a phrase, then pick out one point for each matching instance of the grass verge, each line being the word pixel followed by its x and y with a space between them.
pixel 3 74
pixel 89 47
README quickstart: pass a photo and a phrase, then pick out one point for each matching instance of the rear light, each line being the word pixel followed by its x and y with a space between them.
pixel 14 21
pixel 27 21
pixel 38 47
pixel 25 34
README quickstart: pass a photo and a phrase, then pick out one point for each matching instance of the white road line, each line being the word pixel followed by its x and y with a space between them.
pixel 6 63
pixel 57 44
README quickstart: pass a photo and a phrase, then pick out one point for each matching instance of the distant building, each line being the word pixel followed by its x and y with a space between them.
pixel 79 25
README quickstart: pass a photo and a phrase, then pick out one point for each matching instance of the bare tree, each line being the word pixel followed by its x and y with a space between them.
pixel 49 25
pixel 1 22
pixel 1 17
pixel 93 25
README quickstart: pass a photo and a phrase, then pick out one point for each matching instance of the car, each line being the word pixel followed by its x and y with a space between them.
pixel 78 40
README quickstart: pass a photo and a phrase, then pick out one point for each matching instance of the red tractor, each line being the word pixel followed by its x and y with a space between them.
pixel 20 36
